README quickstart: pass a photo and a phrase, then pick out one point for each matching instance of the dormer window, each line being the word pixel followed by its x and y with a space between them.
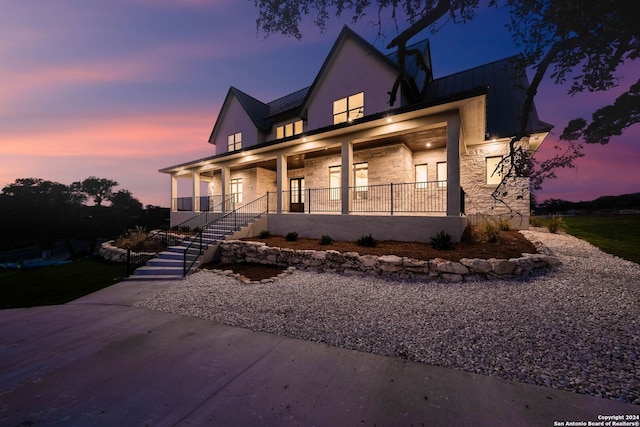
pixel 289 129
pixel 234 142
pixel 348 109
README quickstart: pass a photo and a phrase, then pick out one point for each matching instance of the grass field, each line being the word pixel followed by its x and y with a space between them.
pixel 58 284
pixel 615 234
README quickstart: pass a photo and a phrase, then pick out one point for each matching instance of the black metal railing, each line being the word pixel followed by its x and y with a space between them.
pixel 213 203
pixel 413 197
pixel 236 219
pixel 160 240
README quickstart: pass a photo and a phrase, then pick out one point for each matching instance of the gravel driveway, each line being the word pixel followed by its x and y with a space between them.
pixel 576 327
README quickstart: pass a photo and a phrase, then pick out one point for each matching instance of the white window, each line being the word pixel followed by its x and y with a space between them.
pixel 421 176
pixel 348 109
pixel 236 189
pixel 494 170
pixel 335 184
pixel 361 172
pixel 234 142
pixel 441 174
pixel 289 129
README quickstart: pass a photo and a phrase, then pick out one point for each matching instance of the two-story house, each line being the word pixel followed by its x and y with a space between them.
pixel 335 158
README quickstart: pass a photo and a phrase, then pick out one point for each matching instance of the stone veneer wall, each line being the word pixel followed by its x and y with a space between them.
pixel 234 251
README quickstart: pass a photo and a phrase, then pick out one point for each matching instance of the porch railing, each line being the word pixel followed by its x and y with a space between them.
pixel 213 203
pixel 413 197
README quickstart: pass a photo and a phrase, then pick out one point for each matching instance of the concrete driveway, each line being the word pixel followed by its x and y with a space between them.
pixel 98 361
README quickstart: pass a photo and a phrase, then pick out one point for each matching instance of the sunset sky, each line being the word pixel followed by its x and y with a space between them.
pixel 121 88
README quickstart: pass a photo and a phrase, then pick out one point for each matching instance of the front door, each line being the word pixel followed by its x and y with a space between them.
pixel 297 195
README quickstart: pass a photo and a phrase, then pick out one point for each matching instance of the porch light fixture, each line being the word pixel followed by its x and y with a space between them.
pixel 389 119
pixel 428 145
pixel 304 139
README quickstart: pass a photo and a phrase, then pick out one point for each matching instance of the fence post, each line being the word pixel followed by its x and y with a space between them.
pixel 391 187
pixel 309 199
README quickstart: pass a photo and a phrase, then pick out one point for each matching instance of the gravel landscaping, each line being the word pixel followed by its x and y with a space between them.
pixel 575 327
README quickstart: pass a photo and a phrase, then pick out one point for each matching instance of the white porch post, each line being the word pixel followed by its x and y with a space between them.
pixel 174 192
pixel 453 165
pixel 196 191
pixel 346 176
pixel 281 180
pixel 225 183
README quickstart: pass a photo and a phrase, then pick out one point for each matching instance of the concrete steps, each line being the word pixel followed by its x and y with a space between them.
pixel 169 264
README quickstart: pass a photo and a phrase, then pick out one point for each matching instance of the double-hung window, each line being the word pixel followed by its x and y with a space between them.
pixel 234 142
pixel 421 176
pixel 441 173
pixel 335 184
pixel 236 189
pixel 361 172
pixel 348 109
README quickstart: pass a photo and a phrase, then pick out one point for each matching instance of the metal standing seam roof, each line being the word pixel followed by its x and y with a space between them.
pixel 288 102
pixel 506 92
pixel 257 110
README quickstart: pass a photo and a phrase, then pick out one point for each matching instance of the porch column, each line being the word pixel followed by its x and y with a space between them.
pixel 453 165
pixel 225 184
pixel 346 176
pixel 196 191
pixel 174 192
pixel 281 180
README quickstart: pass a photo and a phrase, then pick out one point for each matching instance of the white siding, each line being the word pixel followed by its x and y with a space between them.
pixel 351 70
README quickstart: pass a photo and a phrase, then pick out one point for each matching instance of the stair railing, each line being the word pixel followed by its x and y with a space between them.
pixel 140 253
pixel 241 217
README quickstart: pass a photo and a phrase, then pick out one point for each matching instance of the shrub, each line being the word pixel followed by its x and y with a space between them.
pixel 291 236
pixel 366 241
pixel 555 224
pixel 504 224
pixel 326 239
pixel 490 231
pixel 441 241
pixel 264 234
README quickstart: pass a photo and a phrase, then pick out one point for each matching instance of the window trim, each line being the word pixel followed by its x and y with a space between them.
pixel 288 129
pixel 442 183
pixel 348 109
pixel 237 183
pixel 421 184
pixel 335 192
pixel 234 142
pixel 491 176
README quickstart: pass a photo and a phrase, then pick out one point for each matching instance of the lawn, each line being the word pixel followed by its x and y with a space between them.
pixel 58 284
pixel 615 234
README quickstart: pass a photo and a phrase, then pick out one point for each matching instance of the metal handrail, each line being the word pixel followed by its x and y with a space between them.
pixel 137 256
pixel 241 216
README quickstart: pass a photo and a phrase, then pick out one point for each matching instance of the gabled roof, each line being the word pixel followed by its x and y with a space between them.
pixel 257 110
pixel 506 92
pixel 411 66
pixel 344 34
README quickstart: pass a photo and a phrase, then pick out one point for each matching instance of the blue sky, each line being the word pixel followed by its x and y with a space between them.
pixel 119 89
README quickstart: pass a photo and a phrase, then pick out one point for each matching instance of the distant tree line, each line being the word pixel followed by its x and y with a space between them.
pixel 601 204
pixel 34 209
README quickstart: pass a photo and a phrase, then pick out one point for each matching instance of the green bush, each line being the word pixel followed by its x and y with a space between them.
pixel 264 234
pixel 326 239
pixel 366 241
pixel 291 236
pixel 442 241
pixel 556 223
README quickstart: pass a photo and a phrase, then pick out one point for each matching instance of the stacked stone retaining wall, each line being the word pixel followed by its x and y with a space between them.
pixel 238 251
